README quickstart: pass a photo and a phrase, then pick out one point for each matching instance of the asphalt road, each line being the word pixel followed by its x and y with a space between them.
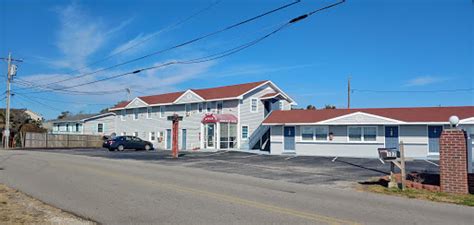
pixel 125 191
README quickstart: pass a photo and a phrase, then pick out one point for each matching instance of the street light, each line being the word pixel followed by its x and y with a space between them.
pixel 454 120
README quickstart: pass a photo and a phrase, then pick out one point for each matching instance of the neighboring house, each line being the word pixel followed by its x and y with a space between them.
pixel 94 124
pixel 359 132
pixel 227 117
pixel 33 115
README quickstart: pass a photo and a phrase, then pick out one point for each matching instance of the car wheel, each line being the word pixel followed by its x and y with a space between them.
pixel 120 148
pixel 147 147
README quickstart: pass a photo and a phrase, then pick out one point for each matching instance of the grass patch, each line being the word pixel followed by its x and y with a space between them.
pixel 467 200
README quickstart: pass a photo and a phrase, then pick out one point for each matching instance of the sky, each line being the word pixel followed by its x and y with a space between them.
pixel 397 53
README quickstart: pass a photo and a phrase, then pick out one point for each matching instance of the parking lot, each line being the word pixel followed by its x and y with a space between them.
pixel 342 173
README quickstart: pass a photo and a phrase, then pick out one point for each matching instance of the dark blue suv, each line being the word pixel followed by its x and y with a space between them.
pixel 121 143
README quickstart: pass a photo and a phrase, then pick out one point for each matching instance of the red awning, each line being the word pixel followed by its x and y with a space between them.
pixel 219 118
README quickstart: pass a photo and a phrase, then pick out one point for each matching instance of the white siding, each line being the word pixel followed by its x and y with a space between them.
pixel 90 126
pixel 191 122
pixel 414 137
pixel 253 119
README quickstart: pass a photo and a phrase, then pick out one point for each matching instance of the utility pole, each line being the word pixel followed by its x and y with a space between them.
pixel 11 71
pixel 349 92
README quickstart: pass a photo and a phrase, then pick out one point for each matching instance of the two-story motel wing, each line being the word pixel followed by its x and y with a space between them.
pixel 227 117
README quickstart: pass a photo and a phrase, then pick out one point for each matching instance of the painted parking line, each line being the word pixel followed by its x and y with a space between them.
pixel 249 156
pixel 214 195
pixel 218 153
pixel 291 157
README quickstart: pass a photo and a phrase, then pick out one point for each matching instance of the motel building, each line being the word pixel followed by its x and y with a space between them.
pixel 227 117
pixel 360 132
pixel 257 116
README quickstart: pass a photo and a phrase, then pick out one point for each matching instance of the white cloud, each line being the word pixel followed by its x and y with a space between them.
pixel 134 43
pixel 423 81
pixel 80 36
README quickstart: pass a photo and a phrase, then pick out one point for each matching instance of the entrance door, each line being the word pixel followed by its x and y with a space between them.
pixel 210 137
pixel 183 139
pixel 168 138
pixel 289 138
pixel 434 132
pixel 391 137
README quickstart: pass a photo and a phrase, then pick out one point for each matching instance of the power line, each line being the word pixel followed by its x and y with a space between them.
pixel 40 103
pixel 166 29
pixel 70 92
pixel 178 45
pixel 209 57
pixel 414 91
pixel 192 61
pixel 60 101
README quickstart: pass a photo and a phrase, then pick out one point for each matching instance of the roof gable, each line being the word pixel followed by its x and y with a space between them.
pixel 360 118
pixel 188 97
pixel 136 103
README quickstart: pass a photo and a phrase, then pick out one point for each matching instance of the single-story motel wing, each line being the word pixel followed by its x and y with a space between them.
pixel 360 132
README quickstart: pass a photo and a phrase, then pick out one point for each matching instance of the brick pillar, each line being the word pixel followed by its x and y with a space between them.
pixel 453 161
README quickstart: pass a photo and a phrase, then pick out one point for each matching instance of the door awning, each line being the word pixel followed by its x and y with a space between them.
pixel 219 118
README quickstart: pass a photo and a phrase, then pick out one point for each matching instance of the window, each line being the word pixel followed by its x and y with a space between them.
pixel 77 127
pixel 187 108
pixel 362 133
pixel 148 112
pixel 135 114
pixel 209 106
pixel 135 134
pixel 67 127
pixel 122 115
pixel 245 132
pixel 152 136
pixel 280 105
pixel 253 105
pixel 307 133
pixel 100 128
pixel 355 134
pixel 314 133
pixel 162 135
pixel 162 111
pixel 228 135
pixel 220 105
pixel 321 133
pixel 370 133
pixel 200 107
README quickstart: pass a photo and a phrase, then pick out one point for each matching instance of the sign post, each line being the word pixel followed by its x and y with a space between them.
pixel 175 118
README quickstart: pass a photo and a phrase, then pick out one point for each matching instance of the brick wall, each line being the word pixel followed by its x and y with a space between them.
pixel 453 161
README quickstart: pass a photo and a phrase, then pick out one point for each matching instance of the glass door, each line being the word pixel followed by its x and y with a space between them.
pixel 210 136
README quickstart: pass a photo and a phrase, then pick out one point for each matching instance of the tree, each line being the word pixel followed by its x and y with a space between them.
pixel 64 114
pixel 311 107
pixel 105 110
pixel 328 106
pixel 20 122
